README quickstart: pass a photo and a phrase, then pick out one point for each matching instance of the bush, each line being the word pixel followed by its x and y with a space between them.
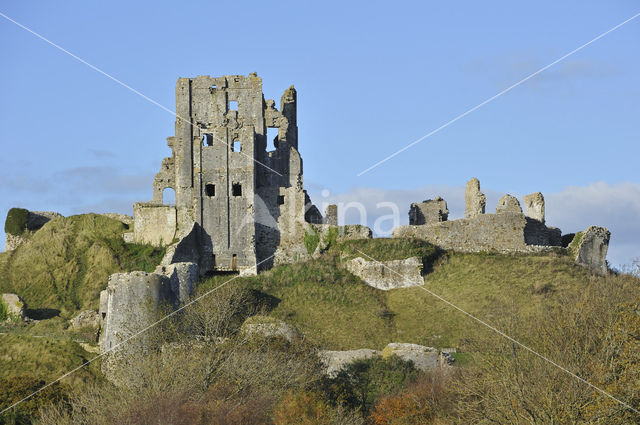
pixel 4 311
pixel 12 390
pixel 360 384
pixel 311 241
pixel 308 408
pixel 429 397
pixel 16 222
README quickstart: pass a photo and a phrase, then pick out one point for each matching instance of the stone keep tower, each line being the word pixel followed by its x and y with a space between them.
pixel 247 203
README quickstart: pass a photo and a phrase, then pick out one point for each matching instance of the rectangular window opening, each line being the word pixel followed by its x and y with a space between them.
pixel 210 189
pixel 207 139
pixel 272 138
pixel 236 189
pixel 233 105
pixel 280 199
pixel 236 146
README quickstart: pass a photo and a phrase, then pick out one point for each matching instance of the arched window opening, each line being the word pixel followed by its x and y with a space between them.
pixel 169 196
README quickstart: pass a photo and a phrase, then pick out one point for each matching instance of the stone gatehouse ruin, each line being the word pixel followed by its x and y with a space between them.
pixel 247 202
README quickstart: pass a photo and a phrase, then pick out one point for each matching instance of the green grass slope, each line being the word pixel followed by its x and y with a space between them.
pixel 46 358
pixel 61 269
pixel 64 265
pixel 335 310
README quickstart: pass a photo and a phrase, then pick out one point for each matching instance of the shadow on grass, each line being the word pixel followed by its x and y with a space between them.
pixel 429 260
pixel 263 301
pixel 42 313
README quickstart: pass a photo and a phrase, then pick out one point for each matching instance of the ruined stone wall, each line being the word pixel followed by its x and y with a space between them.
pixel 507 230
pixel 249 202
pixel 485 232
pixel 154 224
pixel 429 211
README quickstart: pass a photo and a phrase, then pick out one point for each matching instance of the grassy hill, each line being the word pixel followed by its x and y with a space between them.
pixel 335 310
pixel 64 265
pixel 58 271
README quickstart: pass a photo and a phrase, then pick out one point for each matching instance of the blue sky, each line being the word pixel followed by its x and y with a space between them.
pixel 371 78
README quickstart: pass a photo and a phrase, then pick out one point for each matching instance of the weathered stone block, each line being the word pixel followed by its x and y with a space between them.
pixel 86 318
pixel 388 275
pixel 15 306
pixel 592 250
pixel 423 358
pixel 335 361
pixel 132 301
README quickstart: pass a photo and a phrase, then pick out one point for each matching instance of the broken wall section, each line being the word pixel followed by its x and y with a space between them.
pixel 508 230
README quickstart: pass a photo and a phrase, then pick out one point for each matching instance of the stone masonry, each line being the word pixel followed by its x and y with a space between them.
pixel 428 211
pixel 475 200
pixel 534 204
pixel 248 201
pixel 509 230
pixel 388 274
pixel 508 204
pixel 592 249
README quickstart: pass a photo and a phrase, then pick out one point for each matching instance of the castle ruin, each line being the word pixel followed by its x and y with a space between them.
pixel 247 202
pixel 507 230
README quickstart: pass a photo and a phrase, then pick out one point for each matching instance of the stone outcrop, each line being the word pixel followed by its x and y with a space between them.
pixel 15 307
pixel 270 328
pixel 387 275
pixel 428 211
pixel 534 205
pixel 86 319
pixel 592 249
pixel 335 361
pixel 508 204
pixel 475 201
pixel 423 358
pixel 13 241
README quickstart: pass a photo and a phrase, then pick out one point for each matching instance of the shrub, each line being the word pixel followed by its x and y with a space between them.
pixel 575 243
pixel 16 222
pixel 360 384
pixel 14 389
pixel 311 240
pixel 420 403
pixel 4 311
pixel 308 408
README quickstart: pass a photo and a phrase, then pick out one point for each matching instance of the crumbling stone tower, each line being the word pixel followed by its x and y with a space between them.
pixel 247 203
